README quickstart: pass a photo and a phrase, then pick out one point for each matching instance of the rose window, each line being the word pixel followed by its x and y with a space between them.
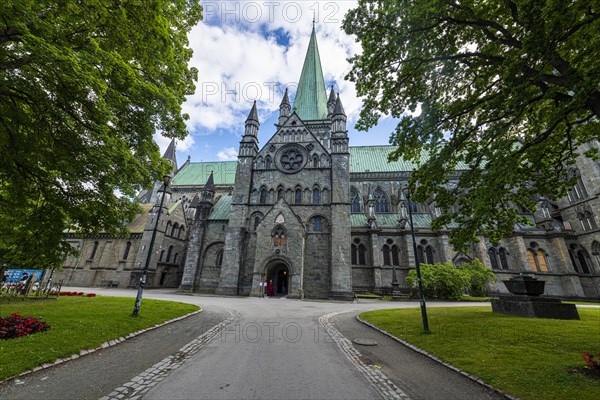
pixel 292 160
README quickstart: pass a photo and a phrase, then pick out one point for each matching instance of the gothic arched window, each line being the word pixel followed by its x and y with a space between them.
pixel 280 193
pixel 263 196
pixel 94 249
pixel 298 196
pixel 356 200
pixel 268 162
pixel 168 229
pixel 538 259
pixel 169 253
pixel 317 224
pixel 395 260
pixel 316 196
pixel 381 201
pixel 386 255
pixel 315 160
pixel 425 252
pixel 279 236
pixel 493 257
pixel 219 258
pixel 503 256
pixel 175 230
pixel 126 253
pixel 580 259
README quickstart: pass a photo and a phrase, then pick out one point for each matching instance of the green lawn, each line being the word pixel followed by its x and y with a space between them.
pixel 526 357
pixel 77 323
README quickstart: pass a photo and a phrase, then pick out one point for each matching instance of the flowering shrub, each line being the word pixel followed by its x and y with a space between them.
pixel 15 326
pixel 589 359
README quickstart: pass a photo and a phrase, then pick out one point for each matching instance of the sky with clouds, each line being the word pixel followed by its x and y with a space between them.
pixel 253 50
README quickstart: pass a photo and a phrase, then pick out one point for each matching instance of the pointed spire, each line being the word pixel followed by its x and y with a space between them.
pixel 311 97
pixel 209 189
pixel 210 183
pixel 332 97
pixel 253 116
pixel 331 103
pixel 286 99
pixel 339 108
pixel 170 154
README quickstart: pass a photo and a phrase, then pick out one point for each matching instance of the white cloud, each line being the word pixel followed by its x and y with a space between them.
pixel 227 154
pixel 246 51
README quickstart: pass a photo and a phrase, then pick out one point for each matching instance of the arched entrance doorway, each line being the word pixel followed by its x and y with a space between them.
pixel 279 273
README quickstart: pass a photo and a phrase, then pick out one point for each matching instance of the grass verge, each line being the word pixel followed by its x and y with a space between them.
pixel 77 323
pixel 527 357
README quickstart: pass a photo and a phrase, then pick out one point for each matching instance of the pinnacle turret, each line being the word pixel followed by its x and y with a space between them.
pixel 253 116
pixel 171 155
pixel 284 108
pixel 331 102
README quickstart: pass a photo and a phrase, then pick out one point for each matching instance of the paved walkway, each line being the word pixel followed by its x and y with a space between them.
pixel 242 348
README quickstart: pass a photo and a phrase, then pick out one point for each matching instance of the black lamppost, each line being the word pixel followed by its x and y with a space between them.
pixel 406 191
pixel 138 300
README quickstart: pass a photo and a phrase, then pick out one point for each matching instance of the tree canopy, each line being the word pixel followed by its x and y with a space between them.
pixel 505 90
pixel 84 85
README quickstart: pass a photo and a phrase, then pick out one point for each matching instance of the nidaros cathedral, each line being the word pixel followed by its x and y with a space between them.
pixel 322 219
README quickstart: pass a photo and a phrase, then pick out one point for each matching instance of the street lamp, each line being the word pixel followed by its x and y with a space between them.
pixel 138 300
pixel 406 191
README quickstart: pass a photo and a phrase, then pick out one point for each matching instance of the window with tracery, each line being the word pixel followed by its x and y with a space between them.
pixel 316 196
pixel 279 236
pixel 380 200
pixel 356 200
pixel 292 160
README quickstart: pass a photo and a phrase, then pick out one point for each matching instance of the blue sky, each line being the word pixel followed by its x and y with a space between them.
pixel 253 50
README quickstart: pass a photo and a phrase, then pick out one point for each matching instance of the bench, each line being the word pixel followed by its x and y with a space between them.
pixel 109 284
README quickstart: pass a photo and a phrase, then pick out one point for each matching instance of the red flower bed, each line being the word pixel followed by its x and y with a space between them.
pixel 589 359
pixel 15 326
pixel 91 295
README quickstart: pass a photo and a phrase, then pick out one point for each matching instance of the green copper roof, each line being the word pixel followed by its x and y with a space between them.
pixel 198 173
pixel 375 159
pixel 221 210
pixel 311 98
pixel 362 159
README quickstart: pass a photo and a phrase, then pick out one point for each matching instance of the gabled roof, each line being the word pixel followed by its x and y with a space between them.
pixel 196 174
pixel 311 97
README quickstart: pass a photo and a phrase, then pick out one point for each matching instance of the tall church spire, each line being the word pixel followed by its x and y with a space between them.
pixel 311 98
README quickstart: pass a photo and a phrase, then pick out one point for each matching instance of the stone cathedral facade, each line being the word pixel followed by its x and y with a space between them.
pixel 323 219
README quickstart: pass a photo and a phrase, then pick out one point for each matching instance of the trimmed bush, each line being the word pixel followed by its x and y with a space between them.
pixel 449 281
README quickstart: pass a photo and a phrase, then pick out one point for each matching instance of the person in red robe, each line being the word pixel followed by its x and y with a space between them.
pixel 270 288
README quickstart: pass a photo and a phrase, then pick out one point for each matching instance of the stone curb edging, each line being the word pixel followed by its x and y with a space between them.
pixel 438 360
pixel 104 345
pixel 141 384
pixel 378 380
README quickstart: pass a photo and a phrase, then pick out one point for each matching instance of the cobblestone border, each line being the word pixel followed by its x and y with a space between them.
pixel 382 384
pixel 103 346
pixel 144 382
pixel 438 360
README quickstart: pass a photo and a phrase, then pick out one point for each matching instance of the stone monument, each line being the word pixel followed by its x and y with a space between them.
pixel 525 301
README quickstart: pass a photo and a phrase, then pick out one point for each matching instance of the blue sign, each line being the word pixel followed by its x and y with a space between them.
pixel 15 275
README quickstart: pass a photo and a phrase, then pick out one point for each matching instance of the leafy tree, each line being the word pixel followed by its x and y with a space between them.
pixel 84 85
pixel 449 281
pixel 506 91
